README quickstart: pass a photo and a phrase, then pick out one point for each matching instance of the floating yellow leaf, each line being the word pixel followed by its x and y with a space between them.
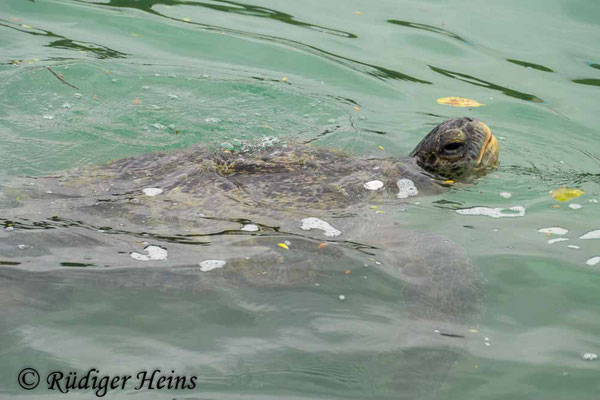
pixel 473 331
pixel 135 34
pixel 458 102
pixel 348 272
pixel 284 79
pixel 187 19
pixel 379 212
pixel 381 147
pixel 283 246
pixel 448 182
pixel 356 108
pixel 27 26
pixel 373 207
pixel 564 193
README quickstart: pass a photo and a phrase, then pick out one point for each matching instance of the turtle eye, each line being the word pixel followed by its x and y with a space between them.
pixel 452 147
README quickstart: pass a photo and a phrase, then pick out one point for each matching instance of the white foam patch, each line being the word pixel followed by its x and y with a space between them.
pixel 551 241
pixel 591 235
pixel 406 189
pixel 575 206
pixel 572 246
pixel 249 228
pixel 593 261
pixel 506 195
pixel 590 356
pixel 511 212
pixel 152 191
pixel 209 265
pixel 373 185
pixel 554 230
pixel 155 253
pixel 316 223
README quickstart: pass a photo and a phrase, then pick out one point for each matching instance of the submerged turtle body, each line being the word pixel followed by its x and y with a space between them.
pixel 293 216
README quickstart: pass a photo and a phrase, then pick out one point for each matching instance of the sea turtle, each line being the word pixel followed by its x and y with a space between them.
pixel 291 215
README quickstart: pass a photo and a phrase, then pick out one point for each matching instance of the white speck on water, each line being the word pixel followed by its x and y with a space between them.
pixel 516 211
pixel 145 87
pixel 47 116
pixel 152 191
pixel 77 95
pixel 572 246
pixel 173 97
pixel 436 330
pixel 287 243
pixel 575 206
pixel 212 120
pixel 316 284
pixel 373 185
pixel 155 253
pixel 554 230
pixel 593 261
pixel 22 246
pixel 316 223
pixel 487 339
pixel 495 230
pixel 342 297
pixel 506 195
pixel 209 265
pixel 593 200
pixel 406 189
pixel 591 235
pixel 487 344
pixel 158 126
pixel 9 228
pixel 561 162
pixel 49 191
pixel 66 105
pixel 590 356
pixel 551 241
pixel 249 228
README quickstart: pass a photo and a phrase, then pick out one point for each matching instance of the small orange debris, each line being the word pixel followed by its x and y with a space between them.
pixel 348 272
pixel 136 100
pixel 358 12
pixel 356 108
pixel 322 245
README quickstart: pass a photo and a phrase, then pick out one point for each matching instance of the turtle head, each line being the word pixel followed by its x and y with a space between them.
pixel 458 148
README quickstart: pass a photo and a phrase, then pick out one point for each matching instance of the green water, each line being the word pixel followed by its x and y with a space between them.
pixel 344 74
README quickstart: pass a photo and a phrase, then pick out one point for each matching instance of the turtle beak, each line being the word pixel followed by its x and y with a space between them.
pixel 488 155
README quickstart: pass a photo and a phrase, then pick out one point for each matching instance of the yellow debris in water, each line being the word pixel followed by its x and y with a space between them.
pixel 187 19
pixel 473 331
pixel 448 182
pixel 348 272
pixel 356 108
pixel 358 12
pixel 379 212
pixel 322 245
pixel 556 205
pixel 565 193
pixel 135 34
pixel 27 26
pixel 284 79
pixel 283 246
pixel 381 147
pixel 373 207
pixel 458 102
